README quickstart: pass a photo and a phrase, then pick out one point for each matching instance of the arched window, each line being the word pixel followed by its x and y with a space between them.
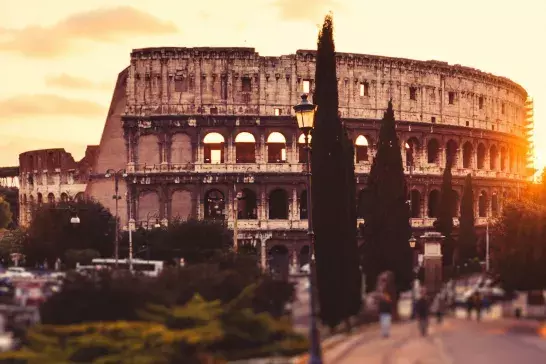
pixel 214 205
pixel 494 204
pixel 451 152
pixel 303 205
pixel 64 197
pixel 481 156
pixel 79 197
pixel 50 198
pixel 40 198
pixel 433 149
pixel 467 155
pixel 245 150
pixel 503 159
pixel 278 205
pixel 247 205
pixel 415 199
pixel 301 148
pixel 455 204
pixel 493 156
pixel 276 148
pixel 433 203
pixel 412 149
pixel 214 148
pixel 361 149
pixel 482 204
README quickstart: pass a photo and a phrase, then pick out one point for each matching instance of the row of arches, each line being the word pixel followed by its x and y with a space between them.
pixel 50 198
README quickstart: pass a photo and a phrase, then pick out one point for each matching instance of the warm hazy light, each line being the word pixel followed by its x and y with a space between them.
pixel 276 137
pixel 60 58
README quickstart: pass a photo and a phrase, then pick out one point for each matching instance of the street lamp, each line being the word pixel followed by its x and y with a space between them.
pixel 305 116
pixel 117 175
pixel 413 243
pixel 75 220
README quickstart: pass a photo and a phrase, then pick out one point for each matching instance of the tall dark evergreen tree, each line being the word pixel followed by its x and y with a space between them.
pixel 334 210
pixel 444 222
pixel 387 227
pixel 466 245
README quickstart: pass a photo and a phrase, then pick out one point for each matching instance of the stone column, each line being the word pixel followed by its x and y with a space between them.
pixel 263 254
pixel 432 261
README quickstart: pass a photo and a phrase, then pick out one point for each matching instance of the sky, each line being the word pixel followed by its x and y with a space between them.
pixel 59 59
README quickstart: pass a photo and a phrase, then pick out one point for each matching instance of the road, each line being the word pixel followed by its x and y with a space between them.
pixel 495 341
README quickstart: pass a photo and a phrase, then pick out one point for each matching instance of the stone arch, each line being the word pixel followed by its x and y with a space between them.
pixel 279 260
pixel 467 155
pixel 482 204
pixel 278 204
pixel 214 203
pixel 247 206
pixel 181 149
pixel 148 205
pixel 302 157
pixel 495 204
pixel 415 203
pixel 214 145
pixel 181 205
pixel 361 149
pixel 433 151
pixel 493 157
pixel 79 197
pixel 64 197
pixel 451 152
pixel 303 205
pixel 50 198
pixel 412 148
pixel 433 203
pixel 503 158
pixel 40 198
pixel 245 148
pixel 511 161
pixel 480 156
pixel 276 148
pixel 304 255
pixel 148 150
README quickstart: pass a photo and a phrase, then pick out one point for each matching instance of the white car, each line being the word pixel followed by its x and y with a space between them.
pixel 17 272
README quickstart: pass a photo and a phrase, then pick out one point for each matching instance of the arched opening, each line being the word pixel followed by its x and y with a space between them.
pixel 79 197
pixel 278 205
pixel 247 205
pixel 181 149
pixel 503 159
pixel 455 204
pixel 433 203
pixel 451 152
pixel 303 205
pixel 279 261
pixel 24 198
pixel 50 198
pixel 148 150
pixel 245 148
pixel 412 150
pixel 467 155
pixel 481 156
pixel 304 255
pixel 214 205
pixel 214 148
pixel 64 197
pixel 495 204
pixel 493 156
pixel 511 161
pixel 302 158
pixel 482 204
pixel 40 198
pixel 433 149
pixel 181 205
pixel 276 148
pixel 361 149
pixel 415 200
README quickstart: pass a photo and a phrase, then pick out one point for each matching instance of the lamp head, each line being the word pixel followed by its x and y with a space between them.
pixel 74 220
pixel 305 114
pixel 412 242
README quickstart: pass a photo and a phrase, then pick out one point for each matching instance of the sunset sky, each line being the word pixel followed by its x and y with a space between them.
pixel 59 59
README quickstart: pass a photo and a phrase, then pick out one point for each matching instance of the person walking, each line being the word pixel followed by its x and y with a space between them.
pixel 441 307
pixel 478 305
pixel 385 314
pixel 422 311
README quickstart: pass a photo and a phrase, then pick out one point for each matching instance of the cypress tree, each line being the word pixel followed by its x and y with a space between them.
pixel 333 188
pixel 467 231
pixel 386 217
pixel 444 222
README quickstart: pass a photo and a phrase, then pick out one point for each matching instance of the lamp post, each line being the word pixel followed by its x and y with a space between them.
pixel 305 116
pixel 413 243
pixel 238 196
pixel 116 174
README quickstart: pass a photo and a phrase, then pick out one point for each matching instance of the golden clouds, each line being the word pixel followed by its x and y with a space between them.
pixel 67 81
pixel 48 105
pixel 305 11
pixel 103 25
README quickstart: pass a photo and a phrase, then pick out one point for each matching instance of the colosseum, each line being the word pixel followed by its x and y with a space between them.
pixel 51 175
pixel 210 133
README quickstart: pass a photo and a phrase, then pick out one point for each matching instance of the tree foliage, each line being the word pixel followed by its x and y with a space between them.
pixel 444 222
pixel 466 244
pixel 5 213
pixel 518 244
pixel 51 233
pixel 386 216
pixel 11 196
pixel 333 194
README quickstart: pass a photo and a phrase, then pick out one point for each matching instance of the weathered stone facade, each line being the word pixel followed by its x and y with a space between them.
pixel 49 176
pixel 194 126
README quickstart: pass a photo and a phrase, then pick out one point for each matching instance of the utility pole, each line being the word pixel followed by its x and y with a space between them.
pixel 235 213
pixel 487 245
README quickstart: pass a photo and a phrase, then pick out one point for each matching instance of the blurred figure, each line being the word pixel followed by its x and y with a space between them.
pixel 469 307
pixel 422 312
pixel 440 307
pixel 385 314
pixel 478 305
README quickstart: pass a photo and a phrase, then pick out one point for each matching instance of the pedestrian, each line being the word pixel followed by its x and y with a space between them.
pixel 422 311
pixel 385 314
pixel 469 307
pixel 478 305
pixel 441 306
